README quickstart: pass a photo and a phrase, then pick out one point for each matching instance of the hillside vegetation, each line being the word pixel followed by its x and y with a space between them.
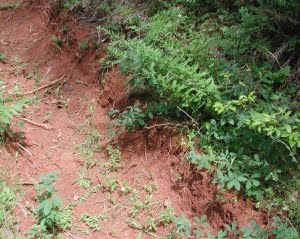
pixel 229 71
pixel 223 73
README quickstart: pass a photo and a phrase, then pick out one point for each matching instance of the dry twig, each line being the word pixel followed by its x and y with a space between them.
pixel 44 126
pixel 43 87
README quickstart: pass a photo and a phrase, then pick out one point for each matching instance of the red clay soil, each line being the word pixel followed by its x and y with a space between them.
pixel 149 157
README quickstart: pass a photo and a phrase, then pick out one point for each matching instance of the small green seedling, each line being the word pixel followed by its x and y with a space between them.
pixel 84 45
pixel 91 221
pixel 2 56
pixel 57 41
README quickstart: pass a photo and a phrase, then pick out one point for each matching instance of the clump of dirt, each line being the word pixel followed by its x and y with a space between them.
pixel 114 90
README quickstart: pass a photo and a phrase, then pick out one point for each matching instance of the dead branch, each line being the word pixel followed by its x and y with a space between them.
pixel 43 87
pixel 36 124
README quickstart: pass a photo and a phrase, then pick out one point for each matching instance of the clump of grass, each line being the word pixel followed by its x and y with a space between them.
pixel 84 45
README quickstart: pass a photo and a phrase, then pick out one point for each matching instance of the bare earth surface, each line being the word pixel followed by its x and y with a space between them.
pixel 63 118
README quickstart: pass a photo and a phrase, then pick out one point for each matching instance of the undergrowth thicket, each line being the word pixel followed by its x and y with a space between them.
pixel 232 69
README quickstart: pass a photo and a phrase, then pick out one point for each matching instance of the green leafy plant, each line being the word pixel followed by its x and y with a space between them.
pixel 49 213
pixel 83 181
pixel 131 118
pixel 110 183
pixel 7 199
pixel 36 76
pixel 115 157
pixel 91 221
pixel 183 225
pixel 8 110
pixel 84 45
pixel 91 144
pixel 166 216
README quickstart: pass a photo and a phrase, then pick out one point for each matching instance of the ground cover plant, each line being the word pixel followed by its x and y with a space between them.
pixel 51 219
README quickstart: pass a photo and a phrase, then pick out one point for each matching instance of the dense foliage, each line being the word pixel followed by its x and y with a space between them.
pixel 233 67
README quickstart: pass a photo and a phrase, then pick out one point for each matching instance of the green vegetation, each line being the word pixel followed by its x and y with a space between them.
pixel 8 109
pixel 84 45
pixel 114 162
pixel 57 41
pixel 91 145
pixel 2 56
pixel 231 70
pixel 36 76
pixel 91 221
pixel 51 219
pixel 8 200
pixel 278 229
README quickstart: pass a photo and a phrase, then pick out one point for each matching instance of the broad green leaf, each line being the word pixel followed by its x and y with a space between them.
pixel 288 128
pixel 47 207
pixel 248 184
pixel 242 179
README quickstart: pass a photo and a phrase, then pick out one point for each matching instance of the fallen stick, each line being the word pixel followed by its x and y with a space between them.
pixel 26 183
pixel 43 87
pixel 22 147
pixel 131 166
pixel 36 124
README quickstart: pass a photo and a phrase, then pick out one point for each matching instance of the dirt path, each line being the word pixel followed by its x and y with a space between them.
pixel 125 188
